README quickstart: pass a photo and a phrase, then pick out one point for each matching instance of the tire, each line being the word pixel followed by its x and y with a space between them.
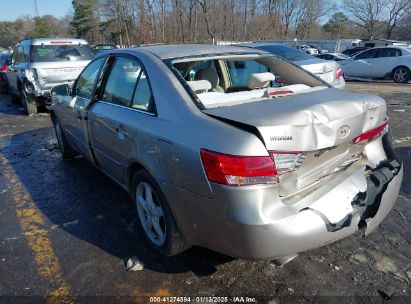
pixel 156 213
pixel 30 106
pixel 66 150
pixel 401 74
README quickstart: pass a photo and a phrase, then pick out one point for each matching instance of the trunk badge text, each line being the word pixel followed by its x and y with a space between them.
pixel 278 138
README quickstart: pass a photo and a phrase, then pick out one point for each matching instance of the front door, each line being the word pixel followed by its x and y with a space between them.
pixel 363 64
pixel 75 124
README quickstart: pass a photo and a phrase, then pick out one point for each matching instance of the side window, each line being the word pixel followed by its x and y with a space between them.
pixel 14 57
pixel 84 86
pixel 121 81
pixel 26 53
pixel 367 54
pixel 143 97
pixel 389 52
pixel 19 56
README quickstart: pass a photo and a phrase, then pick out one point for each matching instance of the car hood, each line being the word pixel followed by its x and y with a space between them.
pixel 308 121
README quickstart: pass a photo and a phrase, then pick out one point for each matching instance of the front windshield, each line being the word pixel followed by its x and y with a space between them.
pixel 229 80
pixel 71 52
pixel 286 52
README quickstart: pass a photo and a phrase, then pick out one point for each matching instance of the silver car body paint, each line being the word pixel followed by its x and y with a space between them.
pixel 305 210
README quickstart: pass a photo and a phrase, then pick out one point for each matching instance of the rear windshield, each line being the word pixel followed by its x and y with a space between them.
pixel 229 80
pixel 47 53
pixel 286 52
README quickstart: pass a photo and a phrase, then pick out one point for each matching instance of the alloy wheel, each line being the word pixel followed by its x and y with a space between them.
pixel 400 75
pixel 151 213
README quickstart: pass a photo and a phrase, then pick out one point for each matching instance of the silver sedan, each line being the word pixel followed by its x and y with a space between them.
pixel 214 152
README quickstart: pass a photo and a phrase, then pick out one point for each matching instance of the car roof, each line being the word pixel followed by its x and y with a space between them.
pixel 259 44
pixel 49 41
pixel 192 50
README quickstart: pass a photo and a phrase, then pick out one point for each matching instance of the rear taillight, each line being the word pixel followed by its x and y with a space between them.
pixel 287 161
pixel 3 68
pixel 61 42
pixel 236 170
pixel 372 134
pixel 339 73
pixel 279 79
pixel 233 170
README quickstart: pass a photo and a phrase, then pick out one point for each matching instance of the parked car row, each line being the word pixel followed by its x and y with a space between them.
pixel 216 153
pixel 39 64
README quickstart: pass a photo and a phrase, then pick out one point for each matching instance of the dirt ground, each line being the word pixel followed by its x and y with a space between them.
pixel 67 231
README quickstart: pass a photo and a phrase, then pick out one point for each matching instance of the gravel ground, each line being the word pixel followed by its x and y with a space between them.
pixel 67 231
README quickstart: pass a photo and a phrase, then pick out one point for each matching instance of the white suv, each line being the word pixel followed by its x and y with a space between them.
pixel 38 65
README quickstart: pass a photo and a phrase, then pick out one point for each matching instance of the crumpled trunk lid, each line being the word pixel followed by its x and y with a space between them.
pixel 322 124
pixel 308 121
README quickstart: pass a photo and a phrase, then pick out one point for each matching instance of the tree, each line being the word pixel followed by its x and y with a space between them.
pixel 367 14
pixel 44 27
pixel 84 18
pixel 337 25
pixel 397 11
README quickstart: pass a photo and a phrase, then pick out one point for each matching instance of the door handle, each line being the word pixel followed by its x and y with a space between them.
pixel 121 132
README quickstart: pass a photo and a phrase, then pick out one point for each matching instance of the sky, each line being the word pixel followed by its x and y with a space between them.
pixel 12 9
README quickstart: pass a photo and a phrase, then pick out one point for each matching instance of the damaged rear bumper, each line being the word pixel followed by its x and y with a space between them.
pixel 254 223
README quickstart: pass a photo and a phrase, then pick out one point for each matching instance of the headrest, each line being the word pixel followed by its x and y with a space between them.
pixel 208 74
pixel 260 80
pixel 199 86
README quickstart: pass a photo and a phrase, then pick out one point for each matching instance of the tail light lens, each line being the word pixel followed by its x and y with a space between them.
pixel 233 170
pixel 372 134
pixel 339 73
pixel 279 79
pixel 3 68
pixel 287 161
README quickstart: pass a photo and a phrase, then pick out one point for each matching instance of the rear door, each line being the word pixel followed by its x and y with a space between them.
pixel 125 100
pixel 386 61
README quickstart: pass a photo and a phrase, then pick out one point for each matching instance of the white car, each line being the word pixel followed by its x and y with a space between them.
pixel 392 62
pixel 332 56
pixel 308 49
pixel 329 71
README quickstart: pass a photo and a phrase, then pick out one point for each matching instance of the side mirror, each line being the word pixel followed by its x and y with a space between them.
pixel 62 90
